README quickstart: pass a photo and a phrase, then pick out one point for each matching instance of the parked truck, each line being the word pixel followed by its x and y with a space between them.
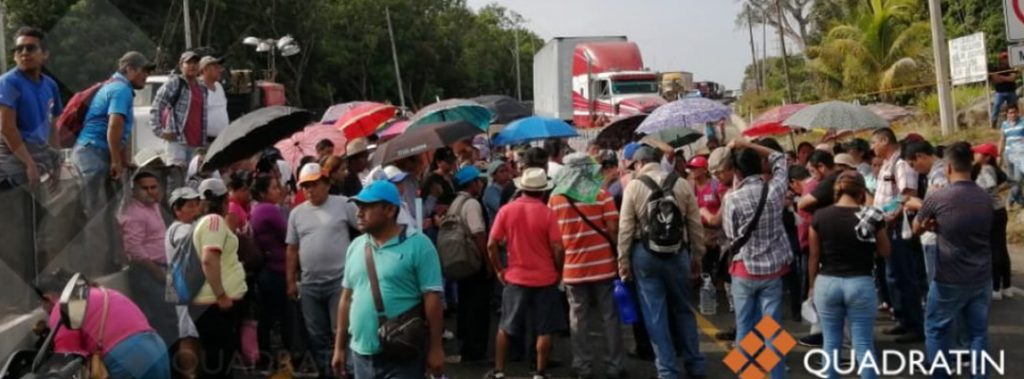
pixel 591 80
pixel 676 84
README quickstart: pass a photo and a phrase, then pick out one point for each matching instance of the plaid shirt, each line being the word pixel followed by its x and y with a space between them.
pixel 894 177
pixel 174 96
pixel 768 251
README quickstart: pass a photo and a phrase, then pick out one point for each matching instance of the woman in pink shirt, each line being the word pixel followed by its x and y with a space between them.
pixel 240 200
pixel 128 345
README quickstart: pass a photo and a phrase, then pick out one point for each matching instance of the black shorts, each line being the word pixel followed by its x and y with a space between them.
pixel 543 306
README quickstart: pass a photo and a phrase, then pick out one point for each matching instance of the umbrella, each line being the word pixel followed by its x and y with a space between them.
pixel 393 129
pixel 505 108
pixel 303 143
pixel 534 128
pixel 891 112
pixel 253 132
pixel 335 111
pixel 423 139
pixel 364 119
pixel 836 115
pixel 619 131
pixel 453 110
pixel 692 111
pixel 770 122
pixel 677 137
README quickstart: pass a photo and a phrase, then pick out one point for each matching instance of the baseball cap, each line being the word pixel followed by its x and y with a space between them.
pixel 698 162
pixel 719 159
pixel 379 191
pixel 136 60
pixel 844 159
pixel 494 166
pixel 644 153
pixel 466 175
pixel 208 60
pixel 188 56
pixel 183 193
pixel 310 173
pixel 394 174
pixel 987 149
pixel 214 186
pixel 630 150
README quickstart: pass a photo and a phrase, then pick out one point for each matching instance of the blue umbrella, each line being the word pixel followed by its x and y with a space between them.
pixel 453 110
pixel 534 128
pixel 688 112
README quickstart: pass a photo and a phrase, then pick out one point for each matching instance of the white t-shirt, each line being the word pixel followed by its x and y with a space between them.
pixel 216 111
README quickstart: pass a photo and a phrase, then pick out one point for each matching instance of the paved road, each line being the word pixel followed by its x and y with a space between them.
pixel 1006 333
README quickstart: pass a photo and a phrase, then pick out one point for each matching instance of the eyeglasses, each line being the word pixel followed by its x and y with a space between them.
pixel 28 49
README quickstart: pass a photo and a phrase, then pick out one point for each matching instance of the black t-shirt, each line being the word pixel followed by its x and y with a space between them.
pixel 842 253
pixel 824 193
pixel 447 188
pixel 1002 87
pixel 351 185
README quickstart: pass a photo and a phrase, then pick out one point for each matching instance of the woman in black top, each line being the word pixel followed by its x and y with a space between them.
pixel 844 238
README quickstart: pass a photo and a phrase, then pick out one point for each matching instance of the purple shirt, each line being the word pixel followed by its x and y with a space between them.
pixel 142 231
pixel 270 227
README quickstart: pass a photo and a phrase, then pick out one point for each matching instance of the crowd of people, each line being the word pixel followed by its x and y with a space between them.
pixel 329 257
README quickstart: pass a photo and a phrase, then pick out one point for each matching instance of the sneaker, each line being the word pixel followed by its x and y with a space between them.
pixel 812 340
pixel 447 335
pixel 897 330
pixel 996 295
pixel 1007 293
pixel 540 375
pixel 495 374
pixel 910 337
pixel 726 335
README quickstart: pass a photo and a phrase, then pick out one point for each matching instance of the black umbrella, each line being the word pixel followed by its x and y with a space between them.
pixel 505 108
pixel 620 131
pixel 253 132
pixel 423 139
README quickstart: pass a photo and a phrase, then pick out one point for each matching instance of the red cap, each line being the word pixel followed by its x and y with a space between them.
pixel 698 162
pixel 987 149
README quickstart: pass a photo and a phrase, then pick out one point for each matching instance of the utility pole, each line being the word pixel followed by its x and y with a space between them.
pixel 188 25
pixel 753 52
pixel 782 45
pixel 942 75
pixel 394 56
pixel 519 81
pixel 3 37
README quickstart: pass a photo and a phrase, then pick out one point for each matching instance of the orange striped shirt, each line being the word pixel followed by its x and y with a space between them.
pixel 588 256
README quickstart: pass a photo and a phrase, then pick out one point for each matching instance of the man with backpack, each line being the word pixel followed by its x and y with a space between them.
pixel 178 116
pixel 660 236
pixel 185 205
pixel 462 241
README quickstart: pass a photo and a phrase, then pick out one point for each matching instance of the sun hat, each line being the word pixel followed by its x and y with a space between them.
pixel 844 159
pixel 533 179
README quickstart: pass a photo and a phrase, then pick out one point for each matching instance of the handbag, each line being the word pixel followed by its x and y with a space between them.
pixel 402 338
pixel 734 248
pixel 97 369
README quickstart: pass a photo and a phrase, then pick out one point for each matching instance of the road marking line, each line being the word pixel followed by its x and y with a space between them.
pixel 709 329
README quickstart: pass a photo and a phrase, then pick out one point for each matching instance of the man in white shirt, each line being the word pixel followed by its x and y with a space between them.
pixel 217 121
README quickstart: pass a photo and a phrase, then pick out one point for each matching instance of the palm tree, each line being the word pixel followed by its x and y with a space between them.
pixel 885 45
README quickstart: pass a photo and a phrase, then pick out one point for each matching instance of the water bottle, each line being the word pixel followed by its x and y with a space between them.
pixel 708 297
pixel 624 300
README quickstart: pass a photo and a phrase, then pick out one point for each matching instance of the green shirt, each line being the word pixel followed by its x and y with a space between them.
pixel 407 268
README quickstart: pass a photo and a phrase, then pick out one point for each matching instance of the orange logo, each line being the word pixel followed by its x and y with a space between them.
pixel 755 344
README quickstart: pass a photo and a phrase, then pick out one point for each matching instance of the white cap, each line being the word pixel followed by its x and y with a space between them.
pixel 183 193
pixel 214 186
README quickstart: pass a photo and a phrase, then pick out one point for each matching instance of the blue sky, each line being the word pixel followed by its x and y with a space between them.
pixel 699 36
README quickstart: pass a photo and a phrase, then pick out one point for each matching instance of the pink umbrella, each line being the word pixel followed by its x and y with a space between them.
pixel 303 143
pixel 394 129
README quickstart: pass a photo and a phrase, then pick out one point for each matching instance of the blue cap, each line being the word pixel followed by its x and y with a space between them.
pixel 630 149
pixel 466 175
pixel 379 191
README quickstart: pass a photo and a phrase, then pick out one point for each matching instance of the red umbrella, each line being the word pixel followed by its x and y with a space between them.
pixel 770 122
pixel 364 119
pixel 303 143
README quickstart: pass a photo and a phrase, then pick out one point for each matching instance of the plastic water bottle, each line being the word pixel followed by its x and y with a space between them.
pixel 624 300
pixel 708 297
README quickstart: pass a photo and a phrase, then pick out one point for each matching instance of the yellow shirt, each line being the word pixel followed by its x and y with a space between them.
pixel 212 231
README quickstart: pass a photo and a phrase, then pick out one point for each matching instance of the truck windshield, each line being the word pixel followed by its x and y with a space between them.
pixel 629 87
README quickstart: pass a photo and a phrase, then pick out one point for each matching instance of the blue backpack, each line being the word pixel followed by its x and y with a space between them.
pixel 185 276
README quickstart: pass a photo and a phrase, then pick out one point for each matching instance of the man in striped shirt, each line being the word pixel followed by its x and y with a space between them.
pixel 1011 147
pixel 589 227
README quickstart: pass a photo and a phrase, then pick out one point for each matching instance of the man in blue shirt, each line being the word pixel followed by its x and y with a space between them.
pixel 1011 150
pixel 409 272
pixel 29 105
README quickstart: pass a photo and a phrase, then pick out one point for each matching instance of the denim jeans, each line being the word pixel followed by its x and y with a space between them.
pixel 94 166
pixel 931 254
pixel 752 299
pixel 902 277
pixel 1002 98
pixel 839 300
pixel 320 310
pixel 378 367
pixel 664 288
pixel 142 356
pixel 947 303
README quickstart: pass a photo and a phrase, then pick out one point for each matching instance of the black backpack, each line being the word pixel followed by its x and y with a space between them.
pixel 664 230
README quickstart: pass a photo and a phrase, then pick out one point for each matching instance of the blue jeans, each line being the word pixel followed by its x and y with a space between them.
pixel 142 356
pixel 931 255
pixel 841 299
pixel 752 299
pixel 1002 98
pixel 94 166
pixel 319 303
pixel 378 367
pixel 902 277
pixel 946 304
pixel 663 286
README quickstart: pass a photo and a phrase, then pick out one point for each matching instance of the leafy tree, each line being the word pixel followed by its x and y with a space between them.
pixel 963 17
pixel 795 23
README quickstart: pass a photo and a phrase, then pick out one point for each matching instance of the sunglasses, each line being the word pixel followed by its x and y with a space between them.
pixel 28 48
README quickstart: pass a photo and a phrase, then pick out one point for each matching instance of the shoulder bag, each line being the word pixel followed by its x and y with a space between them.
pixel 602 232
pixel 402 338
pixel 734 248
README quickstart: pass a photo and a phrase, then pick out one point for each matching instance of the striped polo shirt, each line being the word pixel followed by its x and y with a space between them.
pixel 588 255
pixel 1014 134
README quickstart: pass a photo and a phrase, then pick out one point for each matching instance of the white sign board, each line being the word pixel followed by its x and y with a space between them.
pixel 1016 56
pixel 1014 12
pixel 967 59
